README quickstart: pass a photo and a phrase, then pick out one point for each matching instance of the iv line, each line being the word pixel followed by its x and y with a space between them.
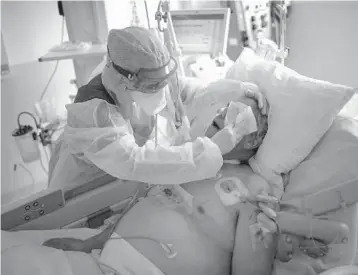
pixel 156 131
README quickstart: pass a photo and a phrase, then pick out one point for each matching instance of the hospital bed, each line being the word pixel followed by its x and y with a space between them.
pixel 82 211
pixel 86 208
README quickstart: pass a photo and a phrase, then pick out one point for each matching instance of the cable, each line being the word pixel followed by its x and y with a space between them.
pixel 147 13
pixel 156 130
pixel 46 155
pixel 128 207
pixel 57 62
pixel 27 170
pixel 27 113
pixel 43 166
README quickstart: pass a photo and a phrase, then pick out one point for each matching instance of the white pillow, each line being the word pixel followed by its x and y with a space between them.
pixel 301 111
pixel 334 160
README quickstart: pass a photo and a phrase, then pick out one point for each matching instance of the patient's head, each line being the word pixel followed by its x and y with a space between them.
pixel 250 143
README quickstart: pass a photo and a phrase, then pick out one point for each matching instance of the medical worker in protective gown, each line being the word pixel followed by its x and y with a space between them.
pixel 125 122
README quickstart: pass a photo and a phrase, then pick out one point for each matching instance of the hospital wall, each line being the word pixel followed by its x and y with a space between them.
pixel 323 39
pixel 29 29
pixel 322 36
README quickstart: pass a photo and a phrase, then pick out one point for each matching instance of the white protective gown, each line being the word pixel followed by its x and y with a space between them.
pixel 98 142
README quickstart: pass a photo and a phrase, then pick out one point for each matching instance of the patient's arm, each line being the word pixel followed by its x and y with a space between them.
pixel 246 260
pixel 71 244
pixel 323 229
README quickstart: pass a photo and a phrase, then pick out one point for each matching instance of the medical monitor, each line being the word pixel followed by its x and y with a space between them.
pixel 201 31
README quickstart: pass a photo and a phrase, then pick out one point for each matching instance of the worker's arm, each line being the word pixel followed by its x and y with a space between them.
pixel 104 138
pixel 195 92
pixel 209 99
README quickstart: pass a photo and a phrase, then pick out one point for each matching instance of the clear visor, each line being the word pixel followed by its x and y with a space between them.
pixel 155 79
pixel 149 80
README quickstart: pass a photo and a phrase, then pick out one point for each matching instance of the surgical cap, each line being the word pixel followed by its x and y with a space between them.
pixel 136 48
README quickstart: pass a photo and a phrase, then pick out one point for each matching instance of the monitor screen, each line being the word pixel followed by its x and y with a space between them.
pixel 199 33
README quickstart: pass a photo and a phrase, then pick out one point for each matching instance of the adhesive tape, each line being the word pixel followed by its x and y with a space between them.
pixel 231 190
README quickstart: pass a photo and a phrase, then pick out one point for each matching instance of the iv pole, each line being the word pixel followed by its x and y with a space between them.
pixel 283 50
pixel 172 45
pixel 167 29
pixel 181 120
pixel 170 41
pixel 269 49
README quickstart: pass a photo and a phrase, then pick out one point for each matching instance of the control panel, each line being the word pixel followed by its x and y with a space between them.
pixel 257 16
pixel 254 16
pixel 32 209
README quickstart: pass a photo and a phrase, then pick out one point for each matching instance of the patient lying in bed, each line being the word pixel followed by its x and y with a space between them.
pixel 214 239
pixel 207 240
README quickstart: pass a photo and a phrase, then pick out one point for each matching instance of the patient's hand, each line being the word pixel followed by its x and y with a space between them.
pixel 287 244
pixel 68 244
pixel 249 258
pixel 71 244
pixel 313 248
pixel 253 91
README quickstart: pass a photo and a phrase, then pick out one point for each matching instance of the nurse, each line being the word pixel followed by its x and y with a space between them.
pixel 111 124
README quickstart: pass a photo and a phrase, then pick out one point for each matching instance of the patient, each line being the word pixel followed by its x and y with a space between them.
pixel 215 239
pixel 212 240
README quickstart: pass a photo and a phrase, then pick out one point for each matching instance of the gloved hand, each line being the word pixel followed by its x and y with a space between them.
pixel 265 226
pixel 233 131
pixel 262 231
pixel 252 96
pixel 252 91
pixel 266 221
pixel 226 139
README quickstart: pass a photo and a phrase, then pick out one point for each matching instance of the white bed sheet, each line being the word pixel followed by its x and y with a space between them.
pixel 22 254
pixel 38 237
